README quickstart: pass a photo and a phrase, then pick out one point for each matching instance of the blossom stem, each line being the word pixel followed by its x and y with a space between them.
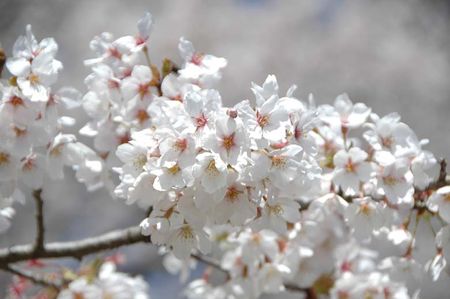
pixel 147 57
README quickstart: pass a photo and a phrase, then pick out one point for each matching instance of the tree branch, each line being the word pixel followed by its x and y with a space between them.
pixel 40 229
pixel 37 279
pixel 81 248
pixel 73 249
pixel 2 60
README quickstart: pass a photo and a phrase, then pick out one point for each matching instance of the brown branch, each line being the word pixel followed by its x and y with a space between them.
pixel 2 60
pixel 73 249
pixel 40 229
pixel 37 279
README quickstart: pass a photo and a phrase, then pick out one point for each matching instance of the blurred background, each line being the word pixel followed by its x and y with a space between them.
pixel 392 55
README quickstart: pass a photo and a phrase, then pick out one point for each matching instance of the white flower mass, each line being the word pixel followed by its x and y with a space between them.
pixel 286 194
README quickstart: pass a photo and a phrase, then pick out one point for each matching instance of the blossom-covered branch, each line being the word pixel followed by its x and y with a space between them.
pixel 277 192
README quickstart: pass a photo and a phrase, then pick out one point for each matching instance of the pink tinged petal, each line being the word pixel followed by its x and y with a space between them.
pixel 145 25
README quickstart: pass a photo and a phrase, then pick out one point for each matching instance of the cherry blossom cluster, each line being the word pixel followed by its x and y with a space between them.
pixel 106 283
pixel 333 201
pixel 34 147
pixel 97 279
pixel 297 186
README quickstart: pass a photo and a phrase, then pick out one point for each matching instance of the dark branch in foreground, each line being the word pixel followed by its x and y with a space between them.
pixel 72 249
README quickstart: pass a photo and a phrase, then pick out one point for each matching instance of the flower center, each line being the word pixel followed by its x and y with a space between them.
pixel 390 180
pixel 19 132
pixel 4 158
pixel 197 58
pixel 387 141
pixel 174 169
pixel 201 121
pixel 262 119
pixel 276 210
pixel 186 233
pixel 57 150
pixel 211 168
pixel 115 53
pixel 34 79
pixel 278 161
pixel 142 116
pixel 365 209
pixel 232 194
pixel 16 101
pixel 350 166
pixel 123 138
pixel 140 161
pixel 180 144
pixel 143 89
pixel 228 142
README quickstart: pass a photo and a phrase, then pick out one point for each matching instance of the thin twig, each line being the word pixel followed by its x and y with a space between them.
pixel 209 261
pixel 40 229
pixel 37 279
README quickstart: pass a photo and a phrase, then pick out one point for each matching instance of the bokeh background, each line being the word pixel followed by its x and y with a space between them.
pixel 393 55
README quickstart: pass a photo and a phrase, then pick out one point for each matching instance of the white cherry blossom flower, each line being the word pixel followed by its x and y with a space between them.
pixel 439 202
pixel 211 171
pixel 351 169
pixel 199 68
